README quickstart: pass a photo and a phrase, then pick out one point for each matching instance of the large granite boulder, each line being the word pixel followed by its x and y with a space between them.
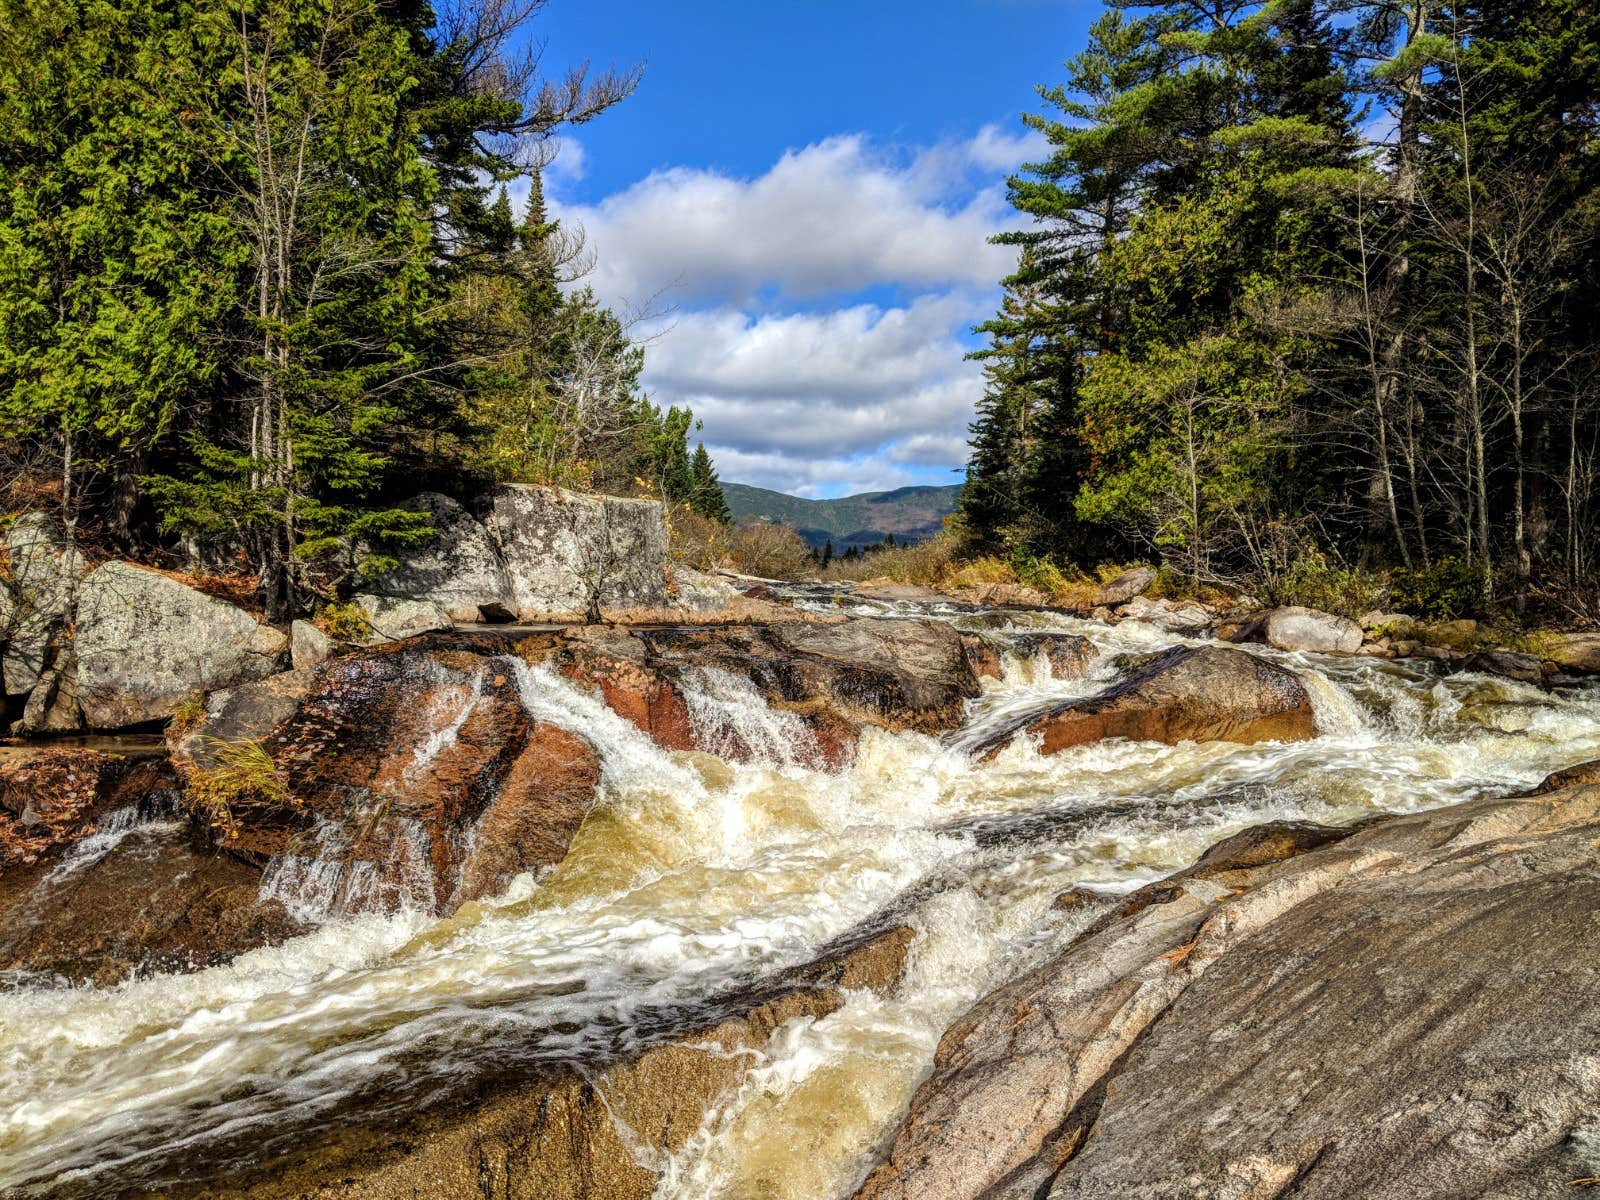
pixel 459 571
pixel 576 556
pixel 146 642
pixel 1296 628
pixel 1407 1012
pixel 1194 694
pixel 45 569
pixel 1574 651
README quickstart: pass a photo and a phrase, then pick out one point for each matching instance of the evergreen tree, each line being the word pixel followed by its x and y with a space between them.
pixel 707 498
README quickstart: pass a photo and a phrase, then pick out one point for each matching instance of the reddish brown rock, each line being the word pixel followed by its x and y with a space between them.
pixel 1200 694
pixel 156 900
pixel 542 802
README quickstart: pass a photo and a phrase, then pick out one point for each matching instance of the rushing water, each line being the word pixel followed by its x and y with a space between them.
pixel 696 877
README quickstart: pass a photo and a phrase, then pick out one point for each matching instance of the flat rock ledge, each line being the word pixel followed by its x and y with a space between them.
pixel 1409 1011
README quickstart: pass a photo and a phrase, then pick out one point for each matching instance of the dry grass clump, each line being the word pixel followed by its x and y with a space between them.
pixel 242 778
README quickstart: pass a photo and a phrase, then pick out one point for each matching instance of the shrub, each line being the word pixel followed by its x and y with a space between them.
pixel 927 564
pixel 1316 581
pixel 1446 589
pixel 697 540
pixel 770 551
pixel 344 622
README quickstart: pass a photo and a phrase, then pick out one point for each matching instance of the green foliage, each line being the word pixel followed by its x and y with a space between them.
pixel 344 622
pixel 1234 332
pixel 1444 590
pixel 1316 581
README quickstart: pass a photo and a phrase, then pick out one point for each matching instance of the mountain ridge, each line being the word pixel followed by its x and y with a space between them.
pixel 912 514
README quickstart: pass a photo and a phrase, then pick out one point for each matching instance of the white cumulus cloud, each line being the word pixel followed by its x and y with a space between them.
pixel 818 314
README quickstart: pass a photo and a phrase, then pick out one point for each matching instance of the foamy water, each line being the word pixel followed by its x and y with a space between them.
pixel 695 877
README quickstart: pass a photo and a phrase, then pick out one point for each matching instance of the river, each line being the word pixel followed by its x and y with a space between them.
pixel 696 878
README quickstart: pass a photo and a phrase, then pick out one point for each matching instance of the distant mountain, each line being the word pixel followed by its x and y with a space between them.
pixel 912 514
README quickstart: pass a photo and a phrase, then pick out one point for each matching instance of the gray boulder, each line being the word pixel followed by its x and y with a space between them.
pixel 460 570
pixel 1124 587
pixel 700 593
pixel 1187 619
pixel 53 705
pixel 146 642
pixel 308 645
pixel 392 619
pixel 1296 628
pixel 45 568
pixel 575 556
pixel 1574 651
pixel 1407 1012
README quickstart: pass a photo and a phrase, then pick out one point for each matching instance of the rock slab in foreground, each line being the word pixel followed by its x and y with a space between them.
pixel 1192 693
pixel 1410 1012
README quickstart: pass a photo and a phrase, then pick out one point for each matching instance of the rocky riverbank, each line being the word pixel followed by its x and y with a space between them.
pixel 1314 1004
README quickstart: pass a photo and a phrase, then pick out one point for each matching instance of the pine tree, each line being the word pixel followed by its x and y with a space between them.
pixel 707 498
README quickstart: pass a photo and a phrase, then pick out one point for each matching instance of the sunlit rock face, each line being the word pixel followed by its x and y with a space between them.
pixel 1195 694
pixel 146 643
pixel 1234 990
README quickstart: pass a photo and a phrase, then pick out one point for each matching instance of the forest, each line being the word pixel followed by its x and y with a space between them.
pixel 1304 287
pixel 261 279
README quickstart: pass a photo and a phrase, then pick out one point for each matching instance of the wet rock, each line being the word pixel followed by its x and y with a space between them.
pixel 1297 628
pixel 1337 1024
pixel 393 620
pixel 413 771
pixel 636 684
pixel 1251 627
pixel 1574 651
pixel 1069 655
pixel 53 798
pixel 572 556
pixel 1524 668
pixel 983 655
pixel 898 674
pixel 1262 845
pixel 145 643
pixel 566 1136
pixel 45 569
pixel 1125 587
pixel 156 900
pixel 308 645
pixel 459 571
pixel 534 815
pixel 1201 694
pixel 1574 776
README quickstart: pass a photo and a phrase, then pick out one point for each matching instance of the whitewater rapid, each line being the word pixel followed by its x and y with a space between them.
pixel 695 878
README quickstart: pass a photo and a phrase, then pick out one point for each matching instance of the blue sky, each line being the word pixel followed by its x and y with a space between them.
pixel 794 207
